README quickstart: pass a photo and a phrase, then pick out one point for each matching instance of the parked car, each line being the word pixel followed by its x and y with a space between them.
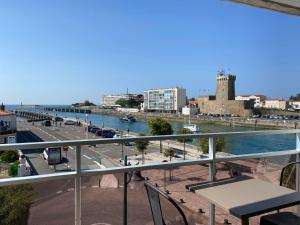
pixel 47 123
pixel 69 122
pixel 58 119
pixel 90 127
pixel 107 133
pixel 98 132
pixel 94 129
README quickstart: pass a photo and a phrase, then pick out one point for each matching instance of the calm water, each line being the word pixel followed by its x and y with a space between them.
pixel 238 145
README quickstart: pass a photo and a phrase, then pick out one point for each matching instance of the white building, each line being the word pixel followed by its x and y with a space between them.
pixel 190 110
pixel 8 126
pixel 110 100
pixel 275 104
pixel 165 100
pixel 257 99
pixel 294 104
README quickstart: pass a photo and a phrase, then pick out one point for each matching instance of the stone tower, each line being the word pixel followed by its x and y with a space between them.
pixel 225 87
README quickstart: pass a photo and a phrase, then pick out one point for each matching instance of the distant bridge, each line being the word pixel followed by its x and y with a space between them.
pixel 66 109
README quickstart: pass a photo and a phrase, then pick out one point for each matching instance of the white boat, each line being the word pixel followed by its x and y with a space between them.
pixel 128 118
pixel 192 127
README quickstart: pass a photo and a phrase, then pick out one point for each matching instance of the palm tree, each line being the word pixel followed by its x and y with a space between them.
pixel 141 146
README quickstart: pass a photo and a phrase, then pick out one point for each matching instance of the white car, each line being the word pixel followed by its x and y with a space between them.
pixel 125 136
pixel 52 155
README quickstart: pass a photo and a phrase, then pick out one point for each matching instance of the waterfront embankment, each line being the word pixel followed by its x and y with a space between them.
pixel 227 121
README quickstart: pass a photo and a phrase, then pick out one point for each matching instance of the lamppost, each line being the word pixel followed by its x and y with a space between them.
pixel 53 120
pixel 87 126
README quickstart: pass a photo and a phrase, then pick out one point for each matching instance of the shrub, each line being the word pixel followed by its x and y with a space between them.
pixel 15 202
pixel 9 156
pixel 13 170
pixel 220 144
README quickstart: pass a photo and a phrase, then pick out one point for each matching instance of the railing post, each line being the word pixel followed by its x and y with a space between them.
pixel 78 187
pixel 212 174
pixel 125 214
pixel 298 169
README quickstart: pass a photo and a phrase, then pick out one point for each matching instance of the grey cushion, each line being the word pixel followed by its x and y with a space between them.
pixel 282 218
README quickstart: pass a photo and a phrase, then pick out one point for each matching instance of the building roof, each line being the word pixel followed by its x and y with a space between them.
pixel 251 95
pixel 158 89
pixel 291 7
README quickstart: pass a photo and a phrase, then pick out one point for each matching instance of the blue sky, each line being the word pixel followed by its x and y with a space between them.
pixel 65 51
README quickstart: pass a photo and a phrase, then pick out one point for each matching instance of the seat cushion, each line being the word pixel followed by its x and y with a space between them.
pixel 282 218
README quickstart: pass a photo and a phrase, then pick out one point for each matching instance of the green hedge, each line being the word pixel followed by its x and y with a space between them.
pixel 9 156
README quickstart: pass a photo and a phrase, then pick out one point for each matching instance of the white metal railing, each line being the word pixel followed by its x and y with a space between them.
pixel 79 172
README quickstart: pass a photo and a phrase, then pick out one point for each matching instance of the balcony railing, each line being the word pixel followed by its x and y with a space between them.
pixel 79 172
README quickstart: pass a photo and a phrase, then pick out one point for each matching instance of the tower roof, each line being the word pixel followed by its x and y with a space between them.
pixel 221 75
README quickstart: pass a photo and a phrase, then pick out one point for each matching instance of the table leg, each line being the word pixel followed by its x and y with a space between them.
pixel 245 221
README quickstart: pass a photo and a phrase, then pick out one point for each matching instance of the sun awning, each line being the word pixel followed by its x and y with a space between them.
pixel 285 6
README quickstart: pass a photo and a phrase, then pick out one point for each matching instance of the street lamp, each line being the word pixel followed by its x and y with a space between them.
pixel 87 126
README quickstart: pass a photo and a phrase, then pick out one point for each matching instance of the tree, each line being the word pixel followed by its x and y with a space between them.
pixel 159 126
pixel 122 102
pixel 169 152
pixel 85 103
pixel 88 103
pixel 132 103
pixel 15 202
pixel 220 145
pixel 295 98
pixel 184 131
pixel 141 146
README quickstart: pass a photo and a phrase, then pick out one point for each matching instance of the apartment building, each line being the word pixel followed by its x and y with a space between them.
pixel 164 100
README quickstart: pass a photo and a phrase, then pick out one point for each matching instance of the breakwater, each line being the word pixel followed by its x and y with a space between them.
pixel 33 116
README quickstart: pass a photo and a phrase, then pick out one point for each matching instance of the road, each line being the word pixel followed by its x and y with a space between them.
pixel 53 201
pixel 107 155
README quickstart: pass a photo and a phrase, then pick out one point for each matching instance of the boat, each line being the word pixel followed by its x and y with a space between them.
pixel 192 127
pixel 128 118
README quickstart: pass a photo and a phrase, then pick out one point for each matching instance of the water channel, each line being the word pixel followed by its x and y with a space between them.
pixel 234 145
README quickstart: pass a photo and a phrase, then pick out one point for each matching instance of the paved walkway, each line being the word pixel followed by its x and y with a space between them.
pixel 260 169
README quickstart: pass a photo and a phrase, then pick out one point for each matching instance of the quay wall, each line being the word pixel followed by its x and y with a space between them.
pixel 238 121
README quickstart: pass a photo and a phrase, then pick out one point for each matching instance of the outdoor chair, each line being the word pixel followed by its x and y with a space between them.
pixel 288 180
pixel 154 195
pixel 288 175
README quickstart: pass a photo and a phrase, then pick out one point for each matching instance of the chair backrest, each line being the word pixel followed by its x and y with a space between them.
pixel 288 175
pixel 155 205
